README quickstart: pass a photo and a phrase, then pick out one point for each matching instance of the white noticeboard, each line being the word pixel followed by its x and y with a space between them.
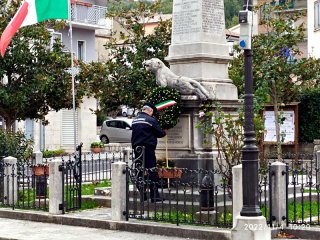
pixel 287 129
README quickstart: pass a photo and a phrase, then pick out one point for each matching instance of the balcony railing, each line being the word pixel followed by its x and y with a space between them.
pixel 88 13
pixel 289 3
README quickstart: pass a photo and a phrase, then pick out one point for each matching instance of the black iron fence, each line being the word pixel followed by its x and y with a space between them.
pixel 97 167
pixel 303 192
pixel 265 192
pixel 186 196
pixel 178 195
pixel 204 197
pixel 23 186
pixel 71 182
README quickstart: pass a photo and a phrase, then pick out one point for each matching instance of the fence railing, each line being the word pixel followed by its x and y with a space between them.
pixel 178 195
pixel 303 192
pixel 90 14
pixel 188 196
pixel 22 187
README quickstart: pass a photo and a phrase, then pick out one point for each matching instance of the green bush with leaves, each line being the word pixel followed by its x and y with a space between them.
pixel 15 145
pixel 168 117
pixel 227 131
pixel 309 115
pixel 97 144
pixel 53 153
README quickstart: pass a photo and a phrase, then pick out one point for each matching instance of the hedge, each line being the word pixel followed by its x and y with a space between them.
pixel 309 115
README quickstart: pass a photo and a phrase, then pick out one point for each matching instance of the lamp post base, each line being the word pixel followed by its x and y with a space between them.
pixel 251 228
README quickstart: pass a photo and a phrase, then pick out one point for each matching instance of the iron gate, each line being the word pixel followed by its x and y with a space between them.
pixel 71 181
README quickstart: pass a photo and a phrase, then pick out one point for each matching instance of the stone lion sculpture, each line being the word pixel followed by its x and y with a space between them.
pixel 166 78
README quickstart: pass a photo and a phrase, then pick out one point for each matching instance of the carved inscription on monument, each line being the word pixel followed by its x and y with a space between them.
pixel 177 137
pixel 186 17
pixel 213 16
pixel 191 18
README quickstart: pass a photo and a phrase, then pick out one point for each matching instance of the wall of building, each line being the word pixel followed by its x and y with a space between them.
pixel 313 34
pixel 86 120
pixel 83 35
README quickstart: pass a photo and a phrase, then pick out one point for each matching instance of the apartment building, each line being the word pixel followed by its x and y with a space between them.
pixel 292 6
pixel 86 17
pixel 314 28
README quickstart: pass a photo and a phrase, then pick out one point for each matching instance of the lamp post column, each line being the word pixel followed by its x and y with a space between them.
pixel 250 152
pixel 250 225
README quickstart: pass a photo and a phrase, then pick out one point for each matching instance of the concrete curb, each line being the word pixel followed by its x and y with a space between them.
pixel 164 229
pixel 303 232
pixel 136 226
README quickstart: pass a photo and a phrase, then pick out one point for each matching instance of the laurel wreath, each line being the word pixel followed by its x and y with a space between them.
pixel 167 117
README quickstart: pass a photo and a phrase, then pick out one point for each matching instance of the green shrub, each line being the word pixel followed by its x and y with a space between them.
pixel 15 145
pixel 97 144
pixel 309 115
pixel 53 153
pixel 101 117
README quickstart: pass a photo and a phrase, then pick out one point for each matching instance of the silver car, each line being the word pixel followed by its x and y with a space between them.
pixel 116 131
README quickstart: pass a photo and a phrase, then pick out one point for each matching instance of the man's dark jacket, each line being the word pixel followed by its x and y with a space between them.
pixel 145 131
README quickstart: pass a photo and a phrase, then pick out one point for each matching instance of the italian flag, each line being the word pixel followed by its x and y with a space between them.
pixel 165 104
pixel 32 12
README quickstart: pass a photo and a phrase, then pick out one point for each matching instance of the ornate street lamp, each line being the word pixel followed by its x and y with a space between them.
pixel 250 150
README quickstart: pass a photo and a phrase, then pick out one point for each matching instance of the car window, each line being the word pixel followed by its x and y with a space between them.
pixel 120 124
pixel 112 124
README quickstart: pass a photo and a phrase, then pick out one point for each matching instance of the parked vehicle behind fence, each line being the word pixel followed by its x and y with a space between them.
pixel 116 131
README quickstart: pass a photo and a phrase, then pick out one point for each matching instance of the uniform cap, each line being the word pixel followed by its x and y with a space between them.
pixel 151 106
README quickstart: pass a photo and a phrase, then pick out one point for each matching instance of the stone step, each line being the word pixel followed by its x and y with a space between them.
pixel 168 205
pixel 202 217
pixel 102 191
pixel 102 201
pixel 183 195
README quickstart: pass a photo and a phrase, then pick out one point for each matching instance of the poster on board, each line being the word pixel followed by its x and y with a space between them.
pixel 287 129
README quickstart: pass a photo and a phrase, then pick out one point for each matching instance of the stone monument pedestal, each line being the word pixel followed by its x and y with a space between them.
pixel 199 47
pixel 199 51
pixel 251 228
pixel 186 143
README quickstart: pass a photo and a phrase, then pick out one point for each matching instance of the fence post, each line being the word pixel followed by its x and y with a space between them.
pixel 126 155
pixel 118 199
pixel 278 185
pixel 236 192
pixel 318 166
pixel 37 157
pixel 10 180
pixel 55 187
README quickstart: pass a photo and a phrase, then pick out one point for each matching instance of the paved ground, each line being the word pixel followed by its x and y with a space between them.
pixel 97 224
pixel 94 224
pixel 27 230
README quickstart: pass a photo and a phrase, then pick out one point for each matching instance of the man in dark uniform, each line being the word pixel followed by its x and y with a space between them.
pixel 145 131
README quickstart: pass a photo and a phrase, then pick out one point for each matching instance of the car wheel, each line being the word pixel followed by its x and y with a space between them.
pixel 104 139
pixel 124 114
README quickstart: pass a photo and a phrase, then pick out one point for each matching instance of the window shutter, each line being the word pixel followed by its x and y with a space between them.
pixel 67 127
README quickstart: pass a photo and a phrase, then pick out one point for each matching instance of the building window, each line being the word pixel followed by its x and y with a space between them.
pixel 55 36
pixel 316 15
pixel 81 50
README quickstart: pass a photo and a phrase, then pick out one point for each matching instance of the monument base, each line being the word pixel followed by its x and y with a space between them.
pixel 251 228
pixel 185 144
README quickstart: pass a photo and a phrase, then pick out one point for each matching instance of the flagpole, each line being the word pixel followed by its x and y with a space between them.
pixel 72 79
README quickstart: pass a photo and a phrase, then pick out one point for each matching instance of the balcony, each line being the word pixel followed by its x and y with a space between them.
pixel 87 15
pixel 291 4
